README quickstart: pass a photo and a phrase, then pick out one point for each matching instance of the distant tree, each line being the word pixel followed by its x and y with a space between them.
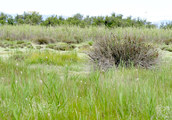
pixel 98 21
pixel 150 25
pixel 78 17
pixel 19 19
pixel 75 20
pixel 120 16
pixel 87 20
pixel 10 20
pixel 32 18
pixel 115 20
pixel 113 15
pixel 167 25
pixel 61 20
pixel 3 18
pixel 52 21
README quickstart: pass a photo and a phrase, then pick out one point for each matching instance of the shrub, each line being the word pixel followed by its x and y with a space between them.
pixel 168 41
pixel 41 41
pixel 128 49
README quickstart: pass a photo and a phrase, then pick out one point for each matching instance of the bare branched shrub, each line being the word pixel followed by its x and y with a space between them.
pixel 128 49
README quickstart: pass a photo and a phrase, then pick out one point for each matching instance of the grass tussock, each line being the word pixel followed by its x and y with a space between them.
pixel 127 50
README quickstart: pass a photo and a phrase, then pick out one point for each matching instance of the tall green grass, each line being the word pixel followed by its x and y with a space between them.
pixel 123 93
pixel 76 34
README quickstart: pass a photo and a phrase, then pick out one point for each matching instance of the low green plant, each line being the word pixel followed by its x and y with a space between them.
pixel 51 46
pixel 168 41
pixel 30 46
pixel 20 42
pixel 38 47
pixel 21 46
pixel 52 58
pixel 167 49
pixel 90 43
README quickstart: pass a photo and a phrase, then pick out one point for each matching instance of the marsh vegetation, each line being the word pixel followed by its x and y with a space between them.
pixel 69 72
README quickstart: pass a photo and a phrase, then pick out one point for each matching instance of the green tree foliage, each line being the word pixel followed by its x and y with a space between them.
pixel 10 20
pixel 88 20
pixel 19 19
pixel 115 20
pixel 52 21
pixel 3 18
pixel 75 20
pixel 167 25
pixel 32 18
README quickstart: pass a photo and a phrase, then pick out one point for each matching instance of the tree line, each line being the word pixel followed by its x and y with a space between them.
pixel 34 18
pixel 166 25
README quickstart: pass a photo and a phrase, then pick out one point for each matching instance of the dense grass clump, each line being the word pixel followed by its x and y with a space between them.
pixel 128 49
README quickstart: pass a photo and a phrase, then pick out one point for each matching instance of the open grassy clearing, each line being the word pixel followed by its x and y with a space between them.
pixel 47 83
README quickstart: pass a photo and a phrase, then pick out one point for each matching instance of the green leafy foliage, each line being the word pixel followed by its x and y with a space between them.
pixel 115 20
pixel 3 18
pixel 167 25
pixel 52 21
pixel 32 18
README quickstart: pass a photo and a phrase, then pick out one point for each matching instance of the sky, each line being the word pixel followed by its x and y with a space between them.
pixel 151 10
